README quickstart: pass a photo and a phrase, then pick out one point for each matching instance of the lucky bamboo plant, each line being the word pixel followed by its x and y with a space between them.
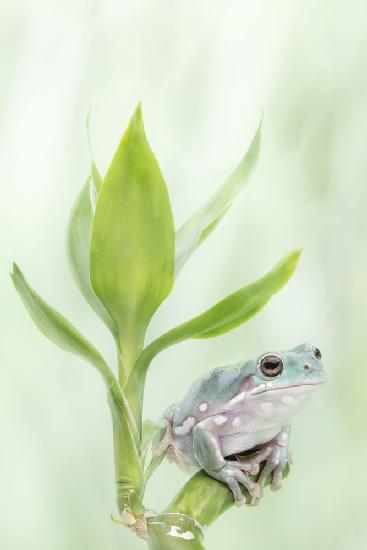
pixel 125 256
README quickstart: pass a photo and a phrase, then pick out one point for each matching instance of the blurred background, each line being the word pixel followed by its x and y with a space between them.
pixel 205 70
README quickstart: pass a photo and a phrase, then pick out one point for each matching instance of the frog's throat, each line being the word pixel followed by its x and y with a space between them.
pixel 265 388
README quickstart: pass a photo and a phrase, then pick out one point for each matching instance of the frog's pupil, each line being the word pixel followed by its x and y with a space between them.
pixel 271 365
pixel 317 353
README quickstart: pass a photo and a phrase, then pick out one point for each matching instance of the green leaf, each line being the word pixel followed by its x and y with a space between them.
pixel 79 236
pixel 57 328
pixel 132 247
pixel 95 175
pixel 196 229
pixel 226 315
pixel 149 429
pixel 78 245
pixel 155 432
pixel 154 463
pixel 129 472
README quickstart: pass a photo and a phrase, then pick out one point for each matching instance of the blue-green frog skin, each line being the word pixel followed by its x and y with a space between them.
pixel 239 408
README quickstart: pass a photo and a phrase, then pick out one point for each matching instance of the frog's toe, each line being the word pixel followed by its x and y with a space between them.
pixel 275 465
pixel 253 488
pixel 234 478
pixel 234 486
pixel 254 469
pixel 256 494
pixel 276 482
pixel 269 467
pixel 276 486
pixel 251 468
pixel 254 501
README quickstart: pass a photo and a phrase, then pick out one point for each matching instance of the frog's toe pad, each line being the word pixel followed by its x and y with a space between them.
pixel 276 485
pixel 253 469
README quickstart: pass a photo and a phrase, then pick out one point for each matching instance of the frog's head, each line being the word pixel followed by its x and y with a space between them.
pixel 287 377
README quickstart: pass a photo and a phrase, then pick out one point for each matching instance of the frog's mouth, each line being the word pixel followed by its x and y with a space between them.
pixel 267 387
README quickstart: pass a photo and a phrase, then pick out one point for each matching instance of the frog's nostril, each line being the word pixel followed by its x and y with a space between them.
pixel 306 367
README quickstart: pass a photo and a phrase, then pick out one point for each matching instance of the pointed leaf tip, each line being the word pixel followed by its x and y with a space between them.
pixel 294 257
pixel 136 121
pixel 132 246
pixel 139 110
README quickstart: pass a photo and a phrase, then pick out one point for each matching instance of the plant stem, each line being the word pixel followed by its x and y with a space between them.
pixel 200 502
pixel 128 350
pixel 128 467
pixel 196 506
pixel 173 531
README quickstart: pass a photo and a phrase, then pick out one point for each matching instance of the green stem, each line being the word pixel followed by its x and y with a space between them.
pixel 203 498
pixel 128 467
pixel 128 351
pixel 200 502
pixel 173 531
pixel 196 506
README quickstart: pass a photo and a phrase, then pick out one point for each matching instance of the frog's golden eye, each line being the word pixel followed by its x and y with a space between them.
pixel 317 353
pixel 271 365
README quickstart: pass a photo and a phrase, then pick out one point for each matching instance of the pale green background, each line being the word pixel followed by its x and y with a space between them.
pixel 205 70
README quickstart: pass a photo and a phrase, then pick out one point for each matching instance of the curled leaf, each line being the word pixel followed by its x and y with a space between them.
pixel 78 246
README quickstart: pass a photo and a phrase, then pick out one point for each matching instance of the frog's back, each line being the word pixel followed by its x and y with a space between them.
pixel 208 395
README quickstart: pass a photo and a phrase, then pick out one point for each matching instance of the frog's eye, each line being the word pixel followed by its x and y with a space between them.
pixel 271 365
pixel 317 353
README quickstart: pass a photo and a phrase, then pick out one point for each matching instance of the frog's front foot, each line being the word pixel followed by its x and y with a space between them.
pixel 278 457
pixel 234 477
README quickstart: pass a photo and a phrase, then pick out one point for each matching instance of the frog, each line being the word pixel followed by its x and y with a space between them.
pixel 233 422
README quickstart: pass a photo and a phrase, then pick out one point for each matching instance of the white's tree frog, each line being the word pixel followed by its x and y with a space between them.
pixel 239 408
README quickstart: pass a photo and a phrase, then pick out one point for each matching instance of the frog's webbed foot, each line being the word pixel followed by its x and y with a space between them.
pixel 234 477
pixel 246 464
pixel 277 456
pixel 250 463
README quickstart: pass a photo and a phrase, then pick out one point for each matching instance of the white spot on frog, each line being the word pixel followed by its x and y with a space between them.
pixel 259 389
pixel 174 532
pixel 203 407
pixel 220 419
pixel 237 399
pixel 186 426
pixel 267 407
pixel 288 400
